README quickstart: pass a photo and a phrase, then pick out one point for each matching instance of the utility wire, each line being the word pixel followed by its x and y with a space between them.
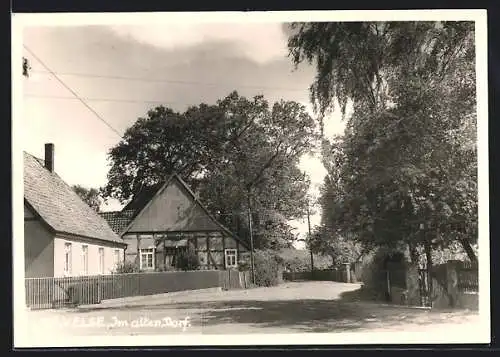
pixel 142 79
pixel 82 100
pixel 73 92
pixel 103 99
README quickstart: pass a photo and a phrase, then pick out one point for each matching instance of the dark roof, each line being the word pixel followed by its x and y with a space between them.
pixel 142 198
pixel 59 205
pixel 118 220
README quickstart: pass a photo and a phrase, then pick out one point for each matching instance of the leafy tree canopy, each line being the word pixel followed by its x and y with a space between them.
pixel 26 67
pixel 228 152
pixel 90 196
pixel 406 168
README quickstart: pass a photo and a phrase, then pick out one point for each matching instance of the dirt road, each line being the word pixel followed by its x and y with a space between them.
pixel 289 308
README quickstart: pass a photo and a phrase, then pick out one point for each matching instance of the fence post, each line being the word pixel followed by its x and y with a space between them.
pixel 222 278
pixel 388 284
pixel 354 277
pixel 347 268
pixel 452 281
pixel 413 286
pixel 99 290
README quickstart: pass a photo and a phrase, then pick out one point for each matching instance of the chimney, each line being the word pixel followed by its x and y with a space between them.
pixel 49 157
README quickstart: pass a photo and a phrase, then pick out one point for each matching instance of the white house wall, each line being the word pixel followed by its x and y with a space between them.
pixel 77 265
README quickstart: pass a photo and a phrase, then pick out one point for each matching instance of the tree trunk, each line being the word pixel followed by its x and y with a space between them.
pixel 413 254
pixel 428 255
pixel 468 249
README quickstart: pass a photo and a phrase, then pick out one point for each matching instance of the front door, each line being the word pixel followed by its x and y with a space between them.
pixel 172 256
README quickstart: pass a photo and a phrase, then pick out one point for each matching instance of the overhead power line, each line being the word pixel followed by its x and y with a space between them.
pixel 72 92
pixel 48 96
pixel 172 81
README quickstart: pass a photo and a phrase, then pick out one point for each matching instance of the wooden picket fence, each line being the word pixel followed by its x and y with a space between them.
pixel 468 278
pixel 70 291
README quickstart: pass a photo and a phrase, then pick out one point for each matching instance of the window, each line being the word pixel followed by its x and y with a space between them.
pixel 101 260
pixel 231 256
pixel 85 259
pixel 147 258
pixel 67 258
pixel 116 257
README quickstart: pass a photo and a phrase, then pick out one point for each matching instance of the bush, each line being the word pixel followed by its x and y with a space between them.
pixel 165 267
pixel 297 264
pixel 454 251
pixel 188 260
pixel 126 267
pixel 268 268
pixel 243 265
pixel 300 260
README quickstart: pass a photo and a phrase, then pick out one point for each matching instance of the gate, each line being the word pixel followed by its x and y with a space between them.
pixel 424 288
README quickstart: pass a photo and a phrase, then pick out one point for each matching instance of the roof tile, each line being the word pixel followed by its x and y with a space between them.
pixel 60 206
pixel 118 220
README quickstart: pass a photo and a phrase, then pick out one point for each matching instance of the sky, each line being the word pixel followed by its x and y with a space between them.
pixel 176 65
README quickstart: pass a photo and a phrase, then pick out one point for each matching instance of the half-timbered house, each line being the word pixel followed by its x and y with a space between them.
pixel 164 220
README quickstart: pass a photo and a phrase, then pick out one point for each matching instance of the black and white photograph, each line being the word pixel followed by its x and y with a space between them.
pixel 250 178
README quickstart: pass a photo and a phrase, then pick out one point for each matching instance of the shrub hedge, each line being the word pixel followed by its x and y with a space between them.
pixel 268 268
pixel 188 260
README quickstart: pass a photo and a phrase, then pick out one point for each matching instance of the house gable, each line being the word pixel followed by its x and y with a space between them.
pixel 28 213
pixel 173 208
pixel 38 247
pixel 52 200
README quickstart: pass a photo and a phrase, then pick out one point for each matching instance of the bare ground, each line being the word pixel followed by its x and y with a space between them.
pixel 289 308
